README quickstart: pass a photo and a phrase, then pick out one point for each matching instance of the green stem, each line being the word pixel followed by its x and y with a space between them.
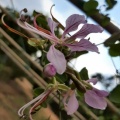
pixel 79 85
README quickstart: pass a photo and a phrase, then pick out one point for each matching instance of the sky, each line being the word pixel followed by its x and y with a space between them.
pixel 95 63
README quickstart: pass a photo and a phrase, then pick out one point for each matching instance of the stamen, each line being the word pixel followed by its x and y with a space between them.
pixel 11 29
pixel 60 25
pixel 38 100
pixel 40 28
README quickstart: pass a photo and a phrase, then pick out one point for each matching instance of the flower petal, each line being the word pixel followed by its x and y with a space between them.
pixel 52 25
pixel 57 59
pixel 72 105
pixel 95 101
pixel 82 45
pixel 72 23
pixel 93 80
pixel 87 29
pixel 101 93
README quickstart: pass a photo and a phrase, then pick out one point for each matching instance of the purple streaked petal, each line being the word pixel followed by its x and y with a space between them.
pixel 86 30
pixel 72 105
pixel 72 23
pixel 52 25
pixel 93 80
pixel 57 58
pixel 82 45
pixel 29 27
pixel 95 101
pixel 101 93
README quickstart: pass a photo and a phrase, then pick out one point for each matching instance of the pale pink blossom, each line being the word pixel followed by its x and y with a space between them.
pixel 96 98
pixel 55 56
pixel 70 102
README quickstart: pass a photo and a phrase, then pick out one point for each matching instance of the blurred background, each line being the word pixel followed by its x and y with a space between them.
pixel 21 64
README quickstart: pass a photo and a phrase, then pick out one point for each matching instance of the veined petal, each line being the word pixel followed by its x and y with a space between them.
pixel 57 58
pixel 93 80
pixel 87 29
pixel 72 105
pixel 52 25
pixel 82 45
pixel 29 27
pixel 95 101
pixel 72 23
pixel 101 93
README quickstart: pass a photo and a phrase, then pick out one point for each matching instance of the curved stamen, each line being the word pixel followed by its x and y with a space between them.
pixel 29 27
pixel 40 28
pixel 60 25
pixel 38 100
pixel 38 103
pixel 21 110
pixel 11 29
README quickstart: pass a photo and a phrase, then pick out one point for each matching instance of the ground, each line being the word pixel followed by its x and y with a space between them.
pixel 14 94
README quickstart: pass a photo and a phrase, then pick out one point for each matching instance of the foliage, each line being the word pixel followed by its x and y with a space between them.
pixel 114 95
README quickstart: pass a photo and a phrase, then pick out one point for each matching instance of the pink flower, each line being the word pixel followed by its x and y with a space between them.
pixel 96 98
pixel 49 70
pixel 70 102
pixel 55 56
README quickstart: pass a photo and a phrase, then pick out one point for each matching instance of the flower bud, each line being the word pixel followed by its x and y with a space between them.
pixel 49 70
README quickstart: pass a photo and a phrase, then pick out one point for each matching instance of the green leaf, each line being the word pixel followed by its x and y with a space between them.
pixel 114 50
pixel 84 74
pixel 41 20
pixel 90 7
pixel 115 95
pixel 61 78
pixel 105 20
pixel 110 3
pixel 38 91
pixel 44 104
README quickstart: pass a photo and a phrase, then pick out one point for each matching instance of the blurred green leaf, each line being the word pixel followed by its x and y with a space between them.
pixel 44 104
pixel 115 95
pixel 38 91
pixel 41 20
pixel 61 78
pixel 114 50
pixel 110 3
pixel 91 7
pixel 105 20
pixel 84 74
